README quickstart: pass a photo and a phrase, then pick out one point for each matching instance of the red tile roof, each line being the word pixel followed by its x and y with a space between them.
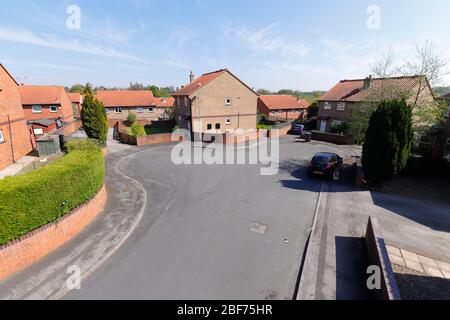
pixel 74 97
pixel 199 82
pixel 164 102
pixel 125 98
pixel 278 102
pixel 445 96
pixel 46 95
pixel 352 90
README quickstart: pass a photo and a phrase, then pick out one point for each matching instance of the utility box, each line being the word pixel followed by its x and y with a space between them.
pixel 48 145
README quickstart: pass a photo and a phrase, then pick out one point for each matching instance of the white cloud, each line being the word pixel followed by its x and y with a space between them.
pixel 51 41
pixel 267 40
pixel 175 61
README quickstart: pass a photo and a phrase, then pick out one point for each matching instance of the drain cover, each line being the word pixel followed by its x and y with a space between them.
pixel 258 228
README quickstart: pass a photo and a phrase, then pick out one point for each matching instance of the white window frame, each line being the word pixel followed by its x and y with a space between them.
pixel 151 109
pixel 185 101
pixel 50 108
pixel 327 106
pixel 118 110
pixel 340 106
pixel 38 131
pixel 228 102
pixel 36 106
pixel 280 113
pixel 106 110
pixel 336 122
pixel 139 110
pixel 273 113
pixel 228 121
pixel 2 137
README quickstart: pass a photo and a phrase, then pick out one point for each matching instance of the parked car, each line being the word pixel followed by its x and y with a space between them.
pixel 298 128
pixel 324 164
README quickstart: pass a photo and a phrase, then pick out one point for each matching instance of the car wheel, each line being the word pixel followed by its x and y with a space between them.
pixel 336 175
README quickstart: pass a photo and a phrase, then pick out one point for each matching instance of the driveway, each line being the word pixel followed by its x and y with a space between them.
pixel 195 242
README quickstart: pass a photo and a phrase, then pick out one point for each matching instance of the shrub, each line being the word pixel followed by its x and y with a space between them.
pixel 32 200
pixel 137 130
pixel 341 128
pixel 94 119
pixel 83 145
pixel 131 118
pixel 388 141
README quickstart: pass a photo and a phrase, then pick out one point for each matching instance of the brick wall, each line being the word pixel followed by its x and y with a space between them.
pixel 10 104
pixel 330 137
pixel 20 254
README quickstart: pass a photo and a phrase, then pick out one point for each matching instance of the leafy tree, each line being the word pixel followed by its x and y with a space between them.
pixel 131 118
pixel 313 109
pixel 387 147
pixel 263 92
pixel 137 130
pixel 93 116
pixel 77 88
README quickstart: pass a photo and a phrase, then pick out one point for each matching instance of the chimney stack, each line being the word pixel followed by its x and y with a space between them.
pixel 191 77
pixel 367 82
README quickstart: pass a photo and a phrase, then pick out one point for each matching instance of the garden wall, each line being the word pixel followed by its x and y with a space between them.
pixel 330 137
pixel 19 254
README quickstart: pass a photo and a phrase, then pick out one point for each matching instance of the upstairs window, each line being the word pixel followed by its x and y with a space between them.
pixel 36 109
pixel 118 110
pixel 209 126
pixel 2 138
pixel 217 126
pixel 106 110
pixel 228 121
pixel 228 102
pixel 185 101
pixel 140 110
pixel 53 109
pixel 340 106
pixel 327 106
pixel 151 109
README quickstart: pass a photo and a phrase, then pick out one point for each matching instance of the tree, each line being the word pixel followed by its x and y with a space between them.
pixel 137 130
pixel 313 109
pixel 77 88
pixel 263 92
pixel 93 116
pixel 387 146
pixel 131 119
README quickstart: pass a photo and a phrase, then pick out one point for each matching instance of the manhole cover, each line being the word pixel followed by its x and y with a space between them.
pixel 258 228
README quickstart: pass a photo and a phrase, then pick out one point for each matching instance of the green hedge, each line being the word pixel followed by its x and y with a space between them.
pixel 32 200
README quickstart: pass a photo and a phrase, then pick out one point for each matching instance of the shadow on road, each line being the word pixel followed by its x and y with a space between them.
pixel 351 265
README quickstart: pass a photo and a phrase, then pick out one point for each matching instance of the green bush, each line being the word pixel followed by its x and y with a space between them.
pixel 93 116
pixel 341 128
pixel 32 200
pixel 387 147
pixel 131 119
pixel 83 145
pixel 137 130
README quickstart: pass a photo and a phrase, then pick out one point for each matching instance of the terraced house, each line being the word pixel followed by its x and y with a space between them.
pixel 47 108
pixel 335 106
pixel 15 136
pixel 282 107
pixel 120 103
pixel 216 102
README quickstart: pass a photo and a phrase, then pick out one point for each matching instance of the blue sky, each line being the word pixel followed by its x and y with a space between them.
pixel 304 45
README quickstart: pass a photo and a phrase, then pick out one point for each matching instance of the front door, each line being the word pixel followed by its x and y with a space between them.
pixel 323 125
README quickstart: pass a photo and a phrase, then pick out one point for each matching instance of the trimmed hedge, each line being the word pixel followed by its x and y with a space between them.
pixel 32 200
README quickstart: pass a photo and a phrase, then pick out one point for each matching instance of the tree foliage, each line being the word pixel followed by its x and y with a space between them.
pixel 131 118
pixel 93 116
pixel 387 146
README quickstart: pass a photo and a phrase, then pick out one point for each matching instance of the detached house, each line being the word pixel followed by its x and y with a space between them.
pixel 120 103
pixel 335 106
pixel 15 137
pixel 46 108
pixel 216 102
pixel 282 107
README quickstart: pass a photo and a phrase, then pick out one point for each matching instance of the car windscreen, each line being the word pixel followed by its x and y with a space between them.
pixel 321 160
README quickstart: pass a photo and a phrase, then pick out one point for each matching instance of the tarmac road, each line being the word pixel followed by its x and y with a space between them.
pixel 213 231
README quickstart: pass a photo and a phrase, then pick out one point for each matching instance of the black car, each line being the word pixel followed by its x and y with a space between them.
pixel 326 165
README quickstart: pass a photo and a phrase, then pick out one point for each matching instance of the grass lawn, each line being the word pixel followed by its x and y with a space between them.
pixel 149 130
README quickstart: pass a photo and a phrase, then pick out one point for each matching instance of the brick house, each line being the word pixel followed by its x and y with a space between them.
pixel 15 136
pixel 165 106
pixel 282 107
pixel 216 102
pixel 120 103
pixel 335 105
pixel 77 102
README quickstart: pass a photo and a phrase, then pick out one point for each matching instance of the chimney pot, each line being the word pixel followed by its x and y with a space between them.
pixel 191 77
pixel 367 82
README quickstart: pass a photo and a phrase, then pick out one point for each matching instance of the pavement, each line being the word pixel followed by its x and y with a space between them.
pixel 17 167
pixel 187 232
pixel 336 259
